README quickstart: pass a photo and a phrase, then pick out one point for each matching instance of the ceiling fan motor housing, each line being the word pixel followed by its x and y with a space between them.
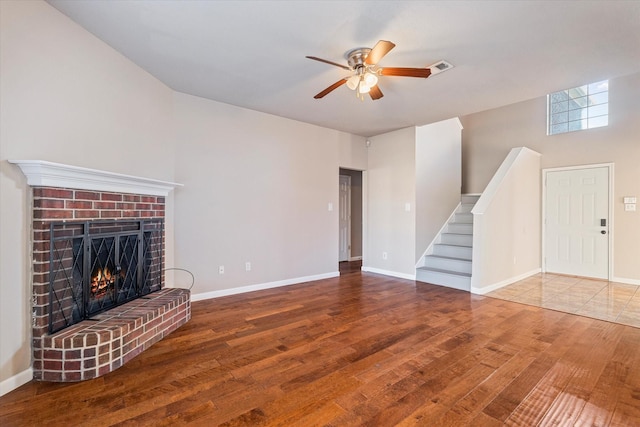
pixel 356 57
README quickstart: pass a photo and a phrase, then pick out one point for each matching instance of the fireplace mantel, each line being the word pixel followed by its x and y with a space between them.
pixel 41 173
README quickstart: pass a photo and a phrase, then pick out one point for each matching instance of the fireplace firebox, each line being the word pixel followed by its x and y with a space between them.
pixel 97 265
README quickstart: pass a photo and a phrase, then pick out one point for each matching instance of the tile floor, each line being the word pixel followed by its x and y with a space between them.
pixel 600 299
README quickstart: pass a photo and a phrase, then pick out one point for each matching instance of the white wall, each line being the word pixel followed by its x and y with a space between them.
pixel 438 178
pixel 506 224
pixel 390 185
pixel 257 189
pixel 68 98
pixel 489 135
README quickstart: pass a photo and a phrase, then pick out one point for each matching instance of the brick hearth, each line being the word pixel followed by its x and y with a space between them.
pixel 97 346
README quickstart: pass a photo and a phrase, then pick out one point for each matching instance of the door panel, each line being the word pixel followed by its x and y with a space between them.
pixel 576 202
pixel 345 218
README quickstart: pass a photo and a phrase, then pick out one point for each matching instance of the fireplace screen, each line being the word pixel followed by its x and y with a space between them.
pixel 98 265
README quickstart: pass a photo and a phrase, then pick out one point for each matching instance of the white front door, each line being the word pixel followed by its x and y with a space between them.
pixel 577 222
pixel 345 218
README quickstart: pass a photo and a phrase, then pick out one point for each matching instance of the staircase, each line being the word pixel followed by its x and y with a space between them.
pixel 448 261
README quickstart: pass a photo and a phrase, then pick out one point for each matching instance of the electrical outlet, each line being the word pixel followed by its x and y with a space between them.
pixel 384 255
pixel 221 269
pixel 247 266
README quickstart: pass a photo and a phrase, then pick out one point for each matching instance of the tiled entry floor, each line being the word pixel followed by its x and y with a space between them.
pixel 614 302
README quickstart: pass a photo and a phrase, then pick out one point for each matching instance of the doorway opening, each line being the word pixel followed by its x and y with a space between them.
pixel 350 216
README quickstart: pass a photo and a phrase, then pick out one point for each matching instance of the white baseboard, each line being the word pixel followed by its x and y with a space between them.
pixel 355 258
pixel 262 286
pixel 489 288
pixel 625 281
pixel 16 381
pixel 389 273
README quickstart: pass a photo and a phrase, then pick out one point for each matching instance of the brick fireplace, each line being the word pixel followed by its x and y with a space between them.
pixel 72 339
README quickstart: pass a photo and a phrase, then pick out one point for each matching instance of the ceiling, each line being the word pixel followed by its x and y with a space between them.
pixel 252 53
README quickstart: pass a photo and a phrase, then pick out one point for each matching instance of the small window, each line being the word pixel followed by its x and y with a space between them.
pixel 583 107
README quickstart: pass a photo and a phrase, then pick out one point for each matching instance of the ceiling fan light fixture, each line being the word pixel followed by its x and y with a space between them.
pixel 363 87
pixel 352 82
pixel 370 79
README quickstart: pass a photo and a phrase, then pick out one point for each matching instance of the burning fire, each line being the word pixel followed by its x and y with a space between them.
pixel 101 281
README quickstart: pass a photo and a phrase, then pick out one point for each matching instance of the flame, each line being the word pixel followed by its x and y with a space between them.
pixel 101 280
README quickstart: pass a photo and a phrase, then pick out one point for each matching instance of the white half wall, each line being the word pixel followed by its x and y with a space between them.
pixel 438 178
pixel 506 224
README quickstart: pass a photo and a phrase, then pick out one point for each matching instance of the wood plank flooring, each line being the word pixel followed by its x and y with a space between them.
pixel 361 349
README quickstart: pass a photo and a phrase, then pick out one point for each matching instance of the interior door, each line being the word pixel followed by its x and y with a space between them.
pixel 345 218
pixel 577 222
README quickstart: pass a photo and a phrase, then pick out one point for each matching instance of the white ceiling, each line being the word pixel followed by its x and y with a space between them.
pixel 252 53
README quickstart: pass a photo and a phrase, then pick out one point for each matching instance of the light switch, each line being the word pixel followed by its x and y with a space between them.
pixel 630 207
pixel 407 207
pixel 330 206
pixel 630 200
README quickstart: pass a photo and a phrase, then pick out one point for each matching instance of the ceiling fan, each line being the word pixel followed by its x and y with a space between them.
pixel 363 64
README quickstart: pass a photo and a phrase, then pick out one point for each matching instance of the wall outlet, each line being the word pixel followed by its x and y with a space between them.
pixel 384 255
pixel 221 269
pixel 247 266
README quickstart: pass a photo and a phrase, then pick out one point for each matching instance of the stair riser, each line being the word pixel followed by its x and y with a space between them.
pixel 442 279
pixel 460 228
pixel 456 239
pixel 465 208
pixel 457 266
pixel 463 252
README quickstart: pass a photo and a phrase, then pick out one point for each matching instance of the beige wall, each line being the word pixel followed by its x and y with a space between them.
pixel 391 183
pixel 65 97
pixel 257 189
pixel 438 178
pixel 488 136
pixel 258 184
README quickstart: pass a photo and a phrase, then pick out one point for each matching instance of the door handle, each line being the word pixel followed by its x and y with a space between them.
pixel 603 232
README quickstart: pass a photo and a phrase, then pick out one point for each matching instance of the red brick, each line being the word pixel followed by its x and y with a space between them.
pixel 72 376
pixel 110 214
pixel 72 365
pixel 89 352
pixel 86 214
pixel 143 206
pixel 126 206
pixel 146 214
pixel 89 363
pixel 130 214
pixel 82 204
pixel 104 205
pixel 52 214
pixel 48 203
pixel 52 365
pixel 54 193
pixel 104 370
pixel 52 376
pixel 130 198
pixel 111 196
pixel 87 195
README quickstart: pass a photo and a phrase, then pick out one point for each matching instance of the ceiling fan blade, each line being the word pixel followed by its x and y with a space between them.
pixel 406 72
pixel 375 93
pixel 328 62
pixel 331 88
pixel 378 52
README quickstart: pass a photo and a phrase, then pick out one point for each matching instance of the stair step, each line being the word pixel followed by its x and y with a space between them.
pixel 463 218
pixel 444 278
pixel 453 265
pixel 457 228
pixel 454 251
pixel 456 239
pixel 465 207
pixel 470 198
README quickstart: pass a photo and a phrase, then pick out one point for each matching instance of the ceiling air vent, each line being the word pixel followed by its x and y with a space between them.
pixel 439 67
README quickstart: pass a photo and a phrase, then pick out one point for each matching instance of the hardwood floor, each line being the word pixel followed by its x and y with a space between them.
pixel 361 349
